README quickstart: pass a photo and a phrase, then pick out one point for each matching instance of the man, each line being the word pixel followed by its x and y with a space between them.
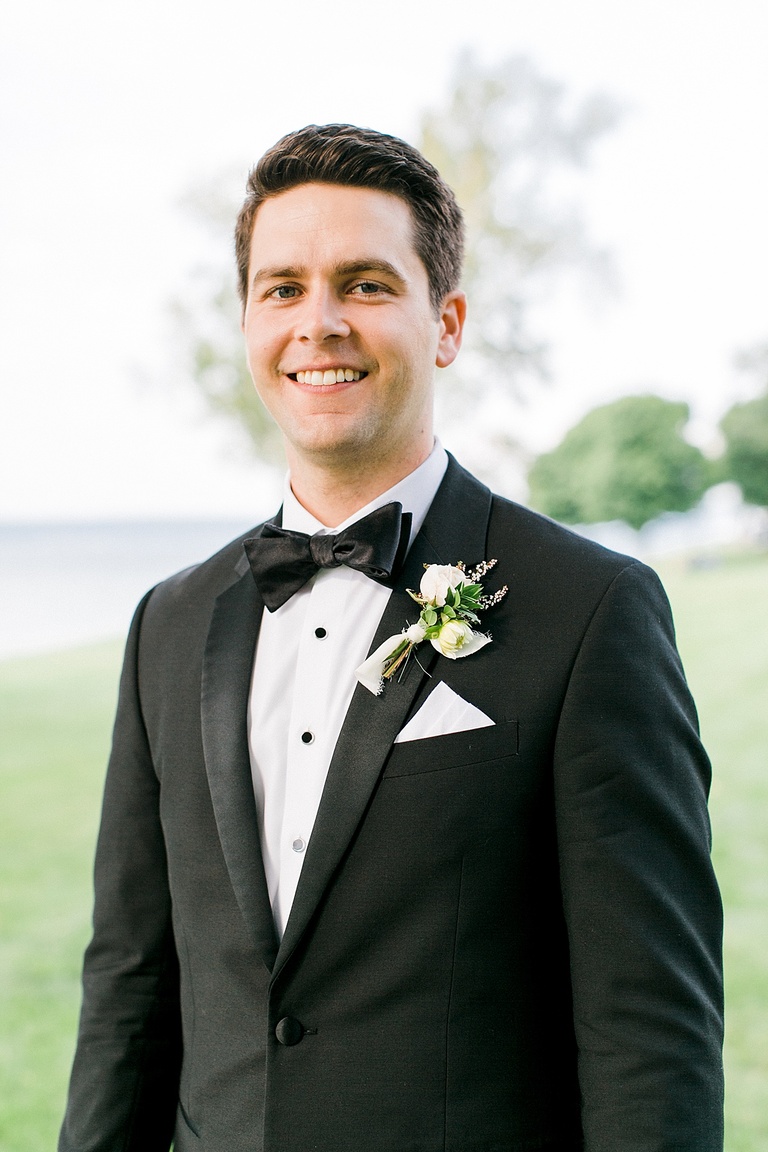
pixel 474 912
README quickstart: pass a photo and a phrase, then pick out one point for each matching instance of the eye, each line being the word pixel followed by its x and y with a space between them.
pixel 284 292
pixel 367 288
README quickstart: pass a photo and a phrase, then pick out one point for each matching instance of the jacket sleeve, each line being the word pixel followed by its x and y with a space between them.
pixel 641 902
pixel 124 1085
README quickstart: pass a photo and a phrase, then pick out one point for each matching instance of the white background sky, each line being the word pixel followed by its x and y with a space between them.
pixel 110 110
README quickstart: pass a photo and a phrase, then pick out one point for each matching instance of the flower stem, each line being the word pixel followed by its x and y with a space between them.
pixel 400 654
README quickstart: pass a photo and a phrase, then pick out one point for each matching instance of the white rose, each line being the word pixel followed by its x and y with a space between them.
pixel 436 581
pixel 456 639
pixel 452 637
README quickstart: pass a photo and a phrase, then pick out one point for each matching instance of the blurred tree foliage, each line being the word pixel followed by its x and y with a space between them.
pixel 745 428
pixel 207 324
pixel 624 461
pixel 506 140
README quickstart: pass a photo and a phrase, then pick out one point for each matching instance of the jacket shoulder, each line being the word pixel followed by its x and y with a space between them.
pixel 560 579
pixel 551 546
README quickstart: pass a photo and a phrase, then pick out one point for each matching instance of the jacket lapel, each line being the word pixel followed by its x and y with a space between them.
pixel 455 529
pixel 227 668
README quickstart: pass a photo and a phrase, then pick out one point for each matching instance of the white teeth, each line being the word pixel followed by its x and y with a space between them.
pixel 330 376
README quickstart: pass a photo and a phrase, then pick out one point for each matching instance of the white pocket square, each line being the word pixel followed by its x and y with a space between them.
pixel 443 711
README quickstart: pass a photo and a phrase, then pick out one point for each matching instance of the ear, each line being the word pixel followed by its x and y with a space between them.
pixel 453 313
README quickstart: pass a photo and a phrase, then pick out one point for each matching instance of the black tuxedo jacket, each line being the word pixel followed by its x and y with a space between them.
pixel 502 940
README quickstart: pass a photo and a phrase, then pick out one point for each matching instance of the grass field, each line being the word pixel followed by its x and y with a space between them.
pixel 56 719
pixel 722 624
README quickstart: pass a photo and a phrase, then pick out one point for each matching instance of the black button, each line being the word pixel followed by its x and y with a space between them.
pixel 289 1031
pixel 320 633
pixel 307 737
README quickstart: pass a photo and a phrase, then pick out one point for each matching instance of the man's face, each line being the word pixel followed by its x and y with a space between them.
pixel 342 339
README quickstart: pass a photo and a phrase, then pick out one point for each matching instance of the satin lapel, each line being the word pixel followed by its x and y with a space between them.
pixel 227 669
pixel 455 529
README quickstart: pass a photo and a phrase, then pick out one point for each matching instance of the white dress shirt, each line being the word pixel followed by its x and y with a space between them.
pixel 303 680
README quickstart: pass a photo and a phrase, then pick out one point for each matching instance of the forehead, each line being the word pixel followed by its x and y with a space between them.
pixel 318 222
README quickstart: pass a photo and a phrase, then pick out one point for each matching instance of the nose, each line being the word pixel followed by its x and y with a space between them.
pixel 322 316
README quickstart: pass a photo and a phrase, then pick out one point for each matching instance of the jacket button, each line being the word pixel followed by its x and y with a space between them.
pixel 289 1031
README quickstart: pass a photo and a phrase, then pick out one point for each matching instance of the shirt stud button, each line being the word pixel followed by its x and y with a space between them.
pixel 320 633
pixel 298 844
pixel 307 737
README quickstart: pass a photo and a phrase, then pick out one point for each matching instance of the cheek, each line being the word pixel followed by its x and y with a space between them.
pixel 406 353
pixel 260 351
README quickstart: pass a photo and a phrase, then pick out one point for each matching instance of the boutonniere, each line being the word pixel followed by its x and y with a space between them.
pixel 450 598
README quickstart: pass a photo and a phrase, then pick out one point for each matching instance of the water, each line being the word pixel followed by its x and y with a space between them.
pixel 68 584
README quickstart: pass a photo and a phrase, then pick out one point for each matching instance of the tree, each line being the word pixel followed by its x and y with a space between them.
pixel 505 140
pixel 207 321
pixel 624 461
pixel 745 428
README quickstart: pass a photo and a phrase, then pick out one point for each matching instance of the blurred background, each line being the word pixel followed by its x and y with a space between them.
pixel 612 163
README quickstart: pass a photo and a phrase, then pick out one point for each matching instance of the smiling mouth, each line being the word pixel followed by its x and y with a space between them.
pixel 323 379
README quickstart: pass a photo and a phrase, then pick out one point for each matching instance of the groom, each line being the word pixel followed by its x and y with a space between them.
pixel 474 912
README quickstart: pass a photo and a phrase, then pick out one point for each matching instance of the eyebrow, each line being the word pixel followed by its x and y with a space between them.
pixel 348 268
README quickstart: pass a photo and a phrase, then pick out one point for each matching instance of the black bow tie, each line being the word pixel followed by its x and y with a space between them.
pixel 283 561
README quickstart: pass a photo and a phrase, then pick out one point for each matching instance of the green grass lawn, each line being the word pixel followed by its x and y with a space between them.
pixel 56 718
pixel 722 624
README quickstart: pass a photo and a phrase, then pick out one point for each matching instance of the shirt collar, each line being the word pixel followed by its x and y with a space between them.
pixel 415 492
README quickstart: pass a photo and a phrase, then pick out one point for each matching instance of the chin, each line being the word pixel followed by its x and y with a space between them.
pixel 343 443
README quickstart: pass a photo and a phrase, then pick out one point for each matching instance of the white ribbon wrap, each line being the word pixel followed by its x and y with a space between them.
pixel 371 672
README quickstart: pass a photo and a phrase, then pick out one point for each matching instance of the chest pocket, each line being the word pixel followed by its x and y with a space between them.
pixel 438 753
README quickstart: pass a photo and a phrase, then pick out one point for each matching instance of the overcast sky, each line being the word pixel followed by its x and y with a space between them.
pixel 111 110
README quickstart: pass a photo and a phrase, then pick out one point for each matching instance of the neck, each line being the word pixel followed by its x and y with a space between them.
pixel 334 492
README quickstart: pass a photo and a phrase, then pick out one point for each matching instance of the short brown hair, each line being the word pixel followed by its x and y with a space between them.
pixel 361 158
